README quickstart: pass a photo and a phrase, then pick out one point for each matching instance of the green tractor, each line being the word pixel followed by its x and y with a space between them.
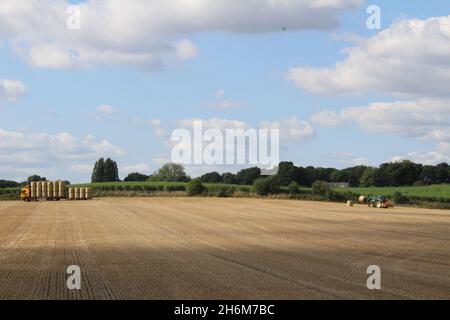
pixel 378 201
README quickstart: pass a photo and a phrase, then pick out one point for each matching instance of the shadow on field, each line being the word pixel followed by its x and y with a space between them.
pixel 144 273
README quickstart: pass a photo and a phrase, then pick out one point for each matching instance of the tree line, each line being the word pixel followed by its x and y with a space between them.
pixel 393 174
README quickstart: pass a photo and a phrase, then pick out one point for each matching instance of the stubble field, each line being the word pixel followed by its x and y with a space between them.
pixel 212 248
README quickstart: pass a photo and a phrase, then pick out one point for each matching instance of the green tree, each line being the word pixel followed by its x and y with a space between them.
pixel 98 171
pixel 105 171
pixel 211 177
pixel 248 176
pixel 8 184
pixel 320 188
pixel 286 173
pixel 111 171
pixel 294 188
pixel 368 177
pixel 195 187
pixel 267 185
pixel 136 176
pixel 229 178
pixel 171 172
pixel 35 178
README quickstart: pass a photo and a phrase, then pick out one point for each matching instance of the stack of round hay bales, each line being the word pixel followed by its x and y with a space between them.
pixel 38 190
pixel 82 193
pixel 61 189
pixel 33 189
pixel 56 189
pixel 71 193
pixel 44 189
pixel 49 189
pixel 88 194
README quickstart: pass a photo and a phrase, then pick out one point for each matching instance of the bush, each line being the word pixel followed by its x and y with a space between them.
pixel 419 183
pixel 294 188
pixel 174 188
pixel 399 198
pixel 221 190
pixel 320 188
pixel 266 186
pixel 135 176
pixel 195 187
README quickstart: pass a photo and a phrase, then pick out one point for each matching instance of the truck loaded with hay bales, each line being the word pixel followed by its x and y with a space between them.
pixel 53 191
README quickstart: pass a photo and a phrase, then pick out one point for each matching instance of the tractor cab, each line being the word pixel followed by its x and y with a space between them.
pixel 25 193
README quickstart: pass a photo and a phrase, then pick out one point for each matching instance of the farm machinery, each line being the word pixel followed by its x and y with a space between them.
pixel 375 201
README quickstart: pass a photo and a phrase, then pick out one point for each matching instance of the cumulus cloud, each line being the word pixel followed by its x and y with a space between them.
pixel 291 128
pixel 11 89
pixel 147 32
pixel 141 168
pixel 426 120
pixel 440 154
pixel 186 49
pixel 43 152
pixel 81 168
pixel 407 118
pixel 411 58
pixel 327 118
pixel 107 109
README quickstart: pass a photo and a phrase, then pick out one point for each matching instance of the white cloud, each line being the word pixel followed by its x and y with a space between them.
pixel 407 118
pixel 348 159
pixel 141 168
pixel 81 168
pixel 107 109
pixel 326 118
pixel 411 58
pixel 291 129
pixel 426 120
pixel 11 89
pixel 161 160
pixel 220 93
pixel 147 32
pixel 440 154
pixel 50 154
pixel 186 49
pixel 157 127
pixel 225 104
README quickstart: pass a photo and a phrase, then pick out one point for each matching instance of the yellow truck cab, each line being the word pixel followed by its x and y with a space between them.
pixel 25 193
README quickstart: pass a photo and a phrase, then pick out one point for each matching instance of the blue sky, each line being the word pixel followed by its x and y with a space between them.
pixel 55 126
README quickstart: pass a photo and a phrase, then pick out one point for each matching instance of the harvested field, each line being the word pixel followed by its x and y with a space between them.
pixel 201 248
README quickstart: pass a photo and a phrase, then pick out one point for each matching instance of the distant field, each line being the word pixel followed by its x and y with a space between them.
pixel 417 195
pixel 440 191
pixel 149 183
pixel 121 183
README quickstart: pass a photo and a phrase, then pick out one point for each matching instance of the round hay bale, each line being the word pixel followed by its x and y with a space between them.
pixel 349 203
pixel 71 194
pixel 362 199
